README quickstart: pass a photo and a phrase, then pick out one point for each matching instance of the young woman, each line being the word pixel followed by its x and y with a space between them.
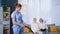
pixel 17 20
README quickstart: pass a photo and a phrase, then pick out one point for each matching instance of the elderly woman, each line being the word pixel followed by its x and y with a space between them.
pixel 42 26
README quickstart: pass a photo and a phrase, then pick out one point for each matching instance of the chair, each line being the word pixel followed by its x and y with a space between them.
pixel 27 29
pixel 53 28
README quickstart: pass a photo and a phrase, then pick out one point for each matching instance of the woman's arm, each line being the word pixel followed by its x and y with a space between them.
pixel 14 22
pixel 23 23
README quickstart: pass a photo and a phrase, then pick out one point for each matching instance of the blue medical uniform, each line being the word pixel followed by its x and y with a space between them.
pixel 18 18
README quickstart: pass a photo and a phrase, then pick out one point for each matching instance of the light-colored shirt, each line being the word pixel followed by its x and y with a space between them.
pixel 42 26
pixel 34 27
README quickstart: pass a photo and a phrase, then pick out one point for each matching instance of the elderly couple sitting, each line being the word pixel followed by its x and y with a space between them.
pixel 39 27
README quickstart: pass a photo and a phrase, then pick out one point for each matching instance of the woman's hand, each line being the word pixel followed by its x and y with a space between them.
pixel 22 25
pixel 37 33
pixel 46 29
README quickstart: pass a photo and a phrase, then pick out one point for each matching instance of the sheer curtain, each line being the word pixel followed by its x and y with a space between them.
pixel 35 8
pixel 46 9
pixel 30 10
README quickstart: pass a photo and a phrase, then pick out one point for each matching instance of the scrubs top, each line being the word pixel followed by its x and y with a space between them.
pixel 18 18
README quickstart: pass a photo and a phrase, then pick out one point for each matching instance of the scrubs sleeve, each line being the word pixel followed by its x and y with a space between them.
pixel 13 16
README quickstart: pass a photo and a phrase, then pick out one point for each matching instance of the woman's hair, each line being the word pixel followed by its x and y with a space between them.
pixel 18 5
pixel 41 19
